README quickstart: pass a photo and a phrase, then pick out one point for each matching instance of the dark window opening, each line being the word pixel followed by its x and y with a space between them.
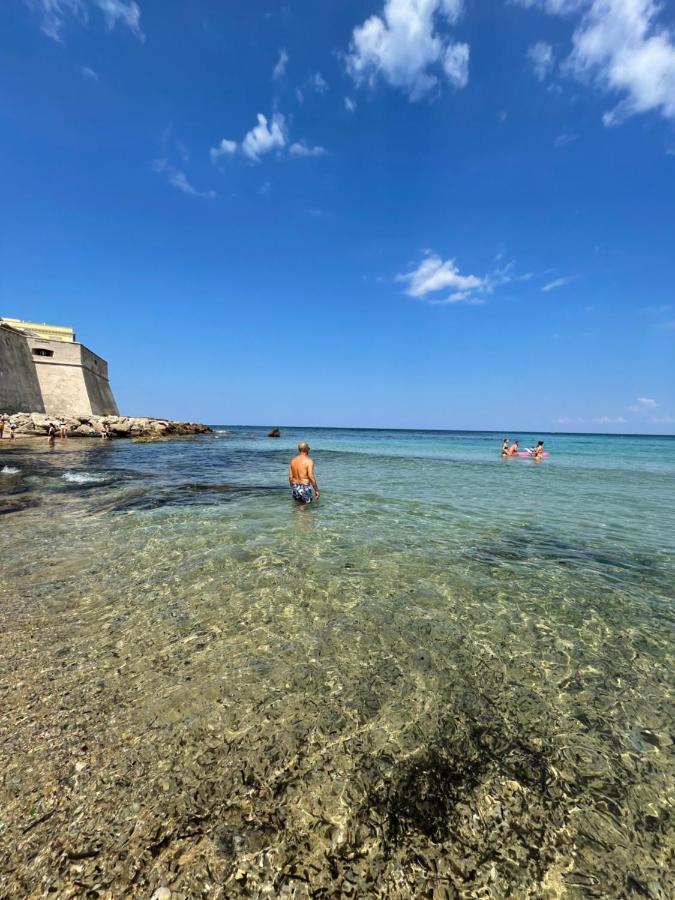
pixel 40 351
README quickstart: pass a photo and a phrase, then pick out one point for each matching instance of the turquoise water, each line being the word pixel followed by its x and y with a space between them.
pixel 452 676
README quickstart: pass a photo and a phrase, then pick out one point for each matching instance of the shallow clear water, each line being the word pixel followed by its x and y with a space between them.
pixel 452 676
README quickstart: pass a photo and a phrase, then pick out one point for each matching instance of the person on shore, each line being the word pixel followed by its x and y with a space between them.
pixel 12 429
pixel 2 426
pixel 505 447
pixel 301 476
pixel 513 449
pixel 63 430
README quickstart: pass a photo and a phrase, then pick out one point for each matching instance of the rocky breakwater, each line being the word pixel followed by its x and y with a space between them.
pixel 137 427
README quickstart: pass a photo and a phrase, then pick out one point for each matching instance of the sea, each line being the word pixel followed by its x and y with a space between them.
pixel 452 676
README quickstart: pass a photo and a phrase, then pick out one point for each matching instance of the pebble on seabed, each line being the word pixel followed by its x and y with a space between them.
pixel 162 893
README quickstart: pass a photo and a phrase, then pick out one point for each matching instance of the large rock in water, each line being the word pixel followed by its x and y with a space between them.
pixel 92 426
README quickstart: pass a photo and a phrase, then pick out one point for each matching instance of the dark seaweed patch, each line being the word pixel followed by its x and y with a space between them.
pixel 533 547
pixel 16 504
pixel 422 794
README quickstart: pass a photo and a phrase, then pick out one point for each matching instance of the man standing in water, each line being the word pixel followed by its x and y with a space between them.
pixel 301 475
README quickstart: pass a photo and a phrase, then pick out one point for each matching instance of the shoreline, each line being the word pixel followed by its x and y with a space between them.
pixel 35 425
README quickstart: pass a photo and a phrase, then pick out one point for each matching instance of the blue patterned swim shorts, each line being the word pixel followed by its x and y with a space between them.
pixel 303 493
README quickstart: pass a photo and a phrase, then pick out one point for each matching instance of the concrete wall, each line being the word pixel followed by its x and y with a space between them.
pixel 19 386
pixel 95 372
pixel 52 376
pixel 73 380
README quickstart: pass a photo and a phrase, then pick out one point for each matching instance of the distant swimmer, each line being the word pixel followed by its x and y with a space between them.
pixel 51 434
pixel 301 476
pixel 505 447
pixel 513 449
pixel 538 451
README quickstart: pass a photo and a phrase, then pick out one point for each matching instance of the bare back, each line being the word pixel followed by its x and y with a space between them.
pixel 301 469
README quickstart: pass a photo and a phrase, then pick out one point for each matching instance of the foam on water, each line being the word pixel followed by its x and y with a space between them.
pixel 83 477
pixel 9 470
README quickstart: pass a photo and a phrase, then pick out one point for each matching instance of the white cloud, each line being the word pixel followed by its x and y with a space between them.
pixel 564 140
pixel 643 405
pixel 264 137
pixel 280 67
pixel 115 12
pixel 434 275
pixel 403 46
pixel 622 48
pixel 598 420
pixel 557 283
pixel 301 148
pixel 662 420
pixel 178 180
pixel 224 148
pixel 89 73
pixel 318 83
pixel 350 105
pixel 542 59
pixel 456 64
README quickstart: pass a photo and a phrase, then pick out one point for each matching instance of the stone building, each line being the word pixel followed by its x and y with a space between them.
pixel 43 368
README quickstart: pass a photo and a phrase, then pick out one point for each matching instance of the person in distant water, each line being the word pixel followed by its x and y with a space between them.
pixel 538 452
pixel 505 447
pixel 301 476
pixel 51 434
pixel 63 429
pixel 2 426
pixel 12 429
pixel 513 449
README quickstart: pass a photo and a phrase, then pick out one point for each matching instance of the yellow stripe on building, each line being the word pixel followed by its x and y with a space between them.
pixel 42 330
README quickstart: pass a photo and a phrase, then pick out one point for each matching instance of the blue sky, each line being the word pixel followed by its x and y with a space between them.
pixel 411 213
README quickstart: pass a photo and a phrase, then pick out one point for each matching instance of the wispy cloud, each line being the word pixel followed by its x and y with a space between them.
pixel 55 13
pixel 564 140
pixel 434 275
pixel 597 420
pixel 318 83
pixel 178 179
pixel 662 420
pixel 643 405
pixel 280 68
pixel 621 47
pixel 301 148
pixel 557 283
pixel 542 59
pixel 89 73
pixel 408 46
pixel 350 105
